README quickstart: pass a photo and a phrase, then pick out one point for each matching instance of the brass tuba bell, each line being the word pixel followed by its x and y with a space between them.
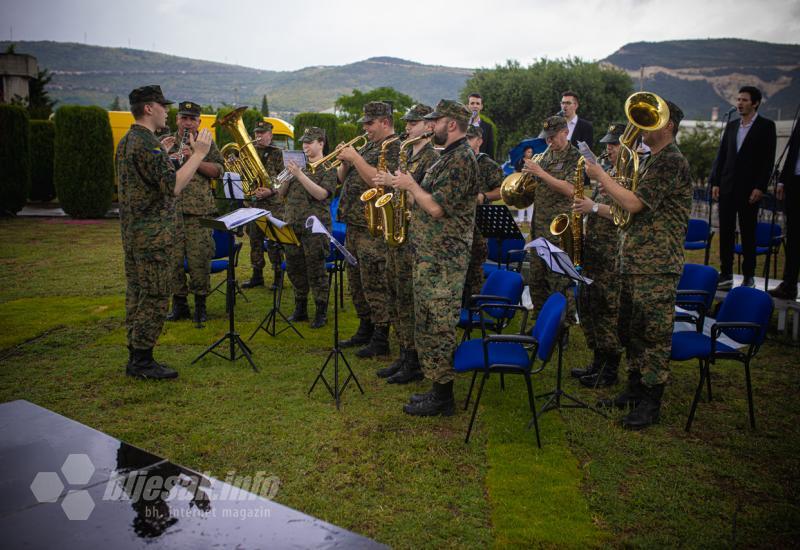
pixel 241 157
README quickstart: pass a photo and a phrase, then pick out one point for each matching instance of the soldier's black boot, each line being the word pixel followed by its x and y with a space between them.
pixel 630 396
pixel 410 372
pixel 378 344
pixel 418 397
pixel 362 336
pixel 606 376
pixel 200 314
pixel 145 367
pixel 441 402
pixel 256 280
pixel 320 315
pixel 300 312
pixel 130 357
pixel 395 367
pixel 648 411
pixel 591 368
pixel 180 309
pixel 276 277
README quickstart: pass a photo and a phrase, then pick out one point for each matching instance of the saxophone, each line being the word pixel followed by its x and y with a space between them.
pixel 394 206
pixel 572 242
pixel 370 196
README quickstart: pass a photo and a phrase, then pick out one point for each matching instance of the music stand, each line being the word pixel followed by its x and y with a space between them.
pixel 336 352
pixel 494 221
pixel 237 347
pixel 278 234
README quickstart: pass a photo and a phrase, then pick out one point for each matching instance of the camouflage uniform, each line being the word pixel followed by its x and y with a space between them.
pixel 146 187
pixel 442 248
pixel 272 158
pixel 192 241
pixel 650 262
pixel 490 176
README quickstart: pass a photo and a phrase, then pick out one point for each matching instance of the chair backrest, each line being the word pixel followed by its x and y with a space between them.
pixel 767 233
pixel 507 284
pixel 746 305
pixel 699 277
pixel 548 324
pixel 501 255
pixel 697 231
pixel 221 241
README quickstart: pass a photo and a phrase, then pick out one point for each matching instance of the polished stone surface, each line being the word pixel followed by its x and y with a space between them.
pixel 66 485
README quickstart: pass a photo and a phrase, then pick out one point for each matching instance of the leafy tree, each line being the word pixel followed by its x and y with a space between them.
pixel 40 106
pixel 699 145
pixel 115 105
pixel 351 107
pixel 15 177
pixel 264 105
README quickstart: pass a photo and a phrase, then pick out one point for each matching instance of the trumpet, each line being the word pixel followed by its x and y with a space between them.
pixel 331 160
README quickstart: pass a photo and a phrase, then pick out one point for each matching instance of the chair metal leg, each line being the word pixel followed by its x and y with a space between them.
pixel 502 381
pixel 708 381
pixel 477 402
pixel 532 403
pixel 697 395
pixel 471 385
pixel 749 394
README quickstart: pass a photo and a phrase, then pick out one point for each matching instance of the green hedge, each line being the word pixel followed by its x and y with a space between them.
pixel 491 123
pixel 15 174
pixel 42 141
pixel 326 121
pixel 250 117
pixel 348 131
pixel 83 170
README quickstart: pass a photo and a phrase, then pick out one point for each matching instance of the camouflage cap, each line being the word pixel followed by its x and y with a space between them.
pixel 675 113
pixel 417 112
pixel 189 108
pixel 312 133
pixel 146 94
pixel 553 125
pixel 474 131
pixel 376 109
pixel 450 108
pixel 262 126
pixel 614 132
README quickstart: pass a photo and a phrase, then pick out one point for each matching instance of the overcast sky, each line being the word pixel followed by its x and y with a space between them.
pixel 293 34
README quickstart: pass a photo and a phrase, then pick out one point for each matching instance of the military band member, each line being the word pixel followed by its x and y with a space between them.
pixel 147 185
pixel 305 195
pixel 400 259
pixel 265 198
pixel 441 230
pixel 650 261
pixel 600 300
pixel 490 176
pixel 367 279
pixel 192 241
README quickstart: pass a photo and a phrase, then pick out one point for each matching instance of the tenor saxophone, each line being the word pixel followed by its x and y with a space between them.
pixel 572 240
pixel 370 196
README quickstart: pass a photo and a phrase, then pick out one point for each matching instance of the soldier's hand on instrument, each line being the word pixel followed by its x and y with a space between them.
pixel 382 178
pixel 533 168
pixel 594 171
pixel 403 181
pixel 582 206
pixel 262 193
pixel 187 152
pixel 348 154
pixel 293 168
pixel 168 142
pixel 202 143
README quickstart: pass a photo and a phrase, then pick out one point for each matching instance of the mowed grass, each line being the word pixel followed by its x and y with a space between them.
pixel 403 481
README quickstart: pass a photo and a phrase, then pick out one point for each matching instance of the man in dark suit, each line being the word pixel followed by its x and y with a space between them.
pixel 789 191
pixel 738 181
pixel 579 129
pixel 475 105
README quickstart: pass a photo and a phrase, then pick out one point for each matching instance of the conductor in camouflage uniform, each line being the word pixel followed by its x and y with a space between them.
pixel 147 185
pixel 600 300
pixel 441 229
pixel 192 241
pixel 650 261
pixel 420 156
pixel 490 176
pixel 368 284
pixel 552 196
pixel 266 198
pixel 308 194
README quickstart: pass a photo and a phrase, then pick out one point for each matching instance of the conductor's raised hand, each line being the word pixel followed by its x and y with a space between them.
pixel 202 143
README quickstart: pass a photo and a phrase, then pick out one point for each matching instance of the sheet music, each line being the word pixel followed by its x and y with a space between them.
pixel 242 216
pixel 316 226
pixel 556 259
pixel 280 224
pixel 235 181
pixel 586 152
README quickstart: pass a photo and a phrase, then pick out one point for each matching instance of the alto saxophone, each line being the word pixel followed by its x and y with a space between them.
pixel 370 196
pixel 394 206
pixel 572 241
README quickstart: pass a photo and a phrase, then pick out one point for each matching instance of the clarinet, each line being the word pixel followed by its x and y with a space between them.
pixel 178 160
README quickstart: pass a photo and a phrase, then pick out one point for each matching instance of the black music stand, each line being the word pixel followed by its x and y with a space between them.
pixel 237 346
pixel 278 236
pixel 494 221
pixel 336 352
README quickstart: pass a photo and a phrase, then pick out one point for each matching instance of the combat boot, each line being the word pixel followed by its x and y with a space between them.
pixel 276 277
pixel 256 280
pixel 362 336
pixel 648 411
pixel 180 309
pixel 200 314
pixel 606 376
pixel 300 312
pixel 441 402
pixel 320 315
pixel 630 396
pixel 410 372
pixel 144 367
pixel 378 344
pixel 591 368
pixel 419 397
pixel 395 367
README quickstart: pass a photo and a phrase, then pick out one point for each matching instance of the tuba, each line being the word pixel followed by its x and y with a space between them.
pixel 394 206
pixel 371 195
pixel 645 111
pixel 517 185
pixel 241 157
pixel 571 241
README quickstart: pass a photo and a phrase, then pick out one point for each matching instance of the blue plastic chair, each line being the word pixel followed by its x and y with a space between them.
pixel 513 353
pixel 696 290
pixel 501 287
pixel 768 237
pixel 219 261
pixel 744 318
pixel 698 236
pixel 509 255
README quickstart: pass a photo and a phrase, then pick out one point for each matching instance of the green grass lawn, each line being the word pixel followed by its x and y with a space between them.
pixel 403 481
